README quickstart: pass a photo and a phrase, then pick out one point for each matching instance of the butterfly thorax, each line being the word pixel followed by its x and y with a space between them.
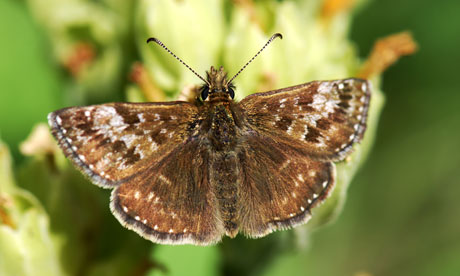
pixel 222 130
pixel 218 102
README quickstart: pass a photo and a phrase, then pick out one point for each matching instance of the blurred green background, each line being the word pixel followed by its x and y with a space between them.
pixel 401 214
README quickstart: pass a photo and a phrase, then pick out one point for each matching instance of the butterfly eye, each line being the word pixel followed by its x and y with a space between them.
pixel 204 92
pixel 231 92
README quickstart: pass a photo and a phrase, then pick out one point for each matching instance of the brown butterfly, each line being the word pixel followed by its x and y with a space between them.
pixel 192 172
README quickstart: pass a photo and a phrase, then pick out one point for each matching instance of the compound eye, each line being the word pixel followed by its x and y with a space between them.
pixel 204 92
pixel 231 92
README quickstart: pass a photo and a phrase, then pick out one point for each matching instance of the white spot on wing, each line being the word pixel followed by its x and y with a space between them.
pixel 151 195
pixel 321 102
pixel 300 177
pixel 128 139
pixel 58 120
pixel 285 164
pixel 321 143
pixel 318 101
pixel 104 112
pixel 141 117
pixel 164 179
pixel 325 87
pixel 329 108
pixel 139 151
pixel 305 130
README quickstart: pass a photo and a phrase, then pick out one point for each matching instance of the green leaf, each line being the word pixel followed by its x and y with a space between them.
pixel 27 246
pixel 170 22
pixel 185 260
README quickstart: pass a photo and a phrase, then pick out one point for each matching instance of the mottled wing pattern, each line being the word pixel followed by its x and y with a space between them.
pixel 112 142
pixel 321 118
pixel 160 161
pixel 172 202
pixel 278 185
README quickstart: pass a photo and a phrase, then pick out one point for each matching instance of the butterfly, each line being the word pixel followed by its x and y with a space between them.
pixel 192 172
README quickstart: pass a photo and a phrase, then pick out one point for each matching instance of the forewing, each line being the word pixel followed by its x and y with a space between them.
pixel 321 118
pixel 173 202
pixel 112 142
pixel 278 186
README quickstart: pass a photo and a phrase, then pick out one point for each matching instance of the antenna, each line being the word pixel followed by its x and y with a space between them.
pixel 266 44
pixel 157 41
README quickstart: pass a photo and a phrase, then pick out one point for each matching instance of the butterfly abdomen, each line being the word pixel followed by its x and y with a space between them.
pixel 224 177
pixel 224 173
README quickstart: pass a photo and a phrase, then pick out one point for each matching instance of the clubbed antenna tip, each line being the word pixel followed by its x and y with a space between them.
pixel 266 44
pixel 157 41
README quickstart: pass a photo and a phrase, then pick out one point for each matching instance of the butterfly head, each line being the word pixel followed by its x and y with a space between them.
pixel 217 85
